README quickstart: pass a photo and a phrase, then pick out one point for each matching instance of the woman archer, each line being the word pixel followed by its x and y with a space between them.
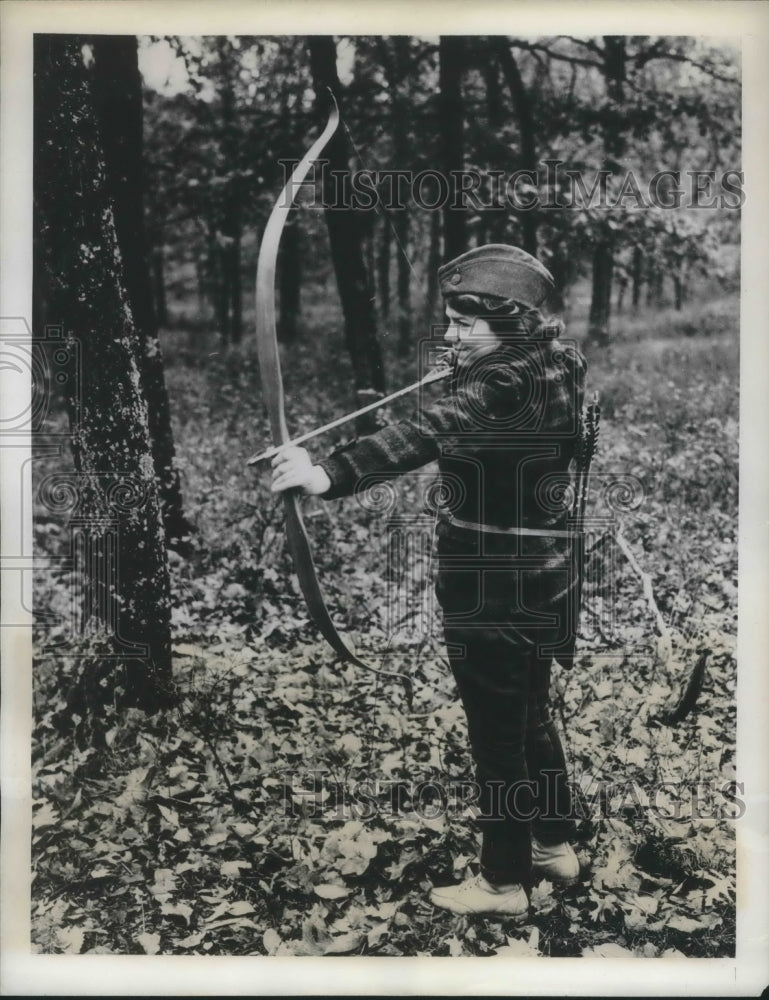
pixel 504 434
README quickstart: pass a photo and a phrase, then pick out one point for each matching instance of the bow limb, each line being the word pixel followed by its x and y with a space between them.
pixel 272 385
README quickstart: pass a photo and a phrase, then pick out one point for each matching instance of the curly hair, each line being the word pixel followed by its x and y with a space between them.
pixel 506 316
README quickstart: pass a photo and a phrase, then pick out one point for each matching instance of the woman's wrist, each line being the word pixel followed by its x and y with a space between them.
pixel 319 482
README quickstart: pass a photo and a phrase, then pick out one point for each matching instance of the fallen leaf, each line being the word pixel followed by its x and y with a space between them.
pixel 454 945
pixel 46 815
pixel 344 944
pixel 377 932
pixel 192 941
pixel 609 949
pixel 231 869
pixel 240 907
pixel 214 839
pixel 176 910
pixel 521 947
pixel 150 943
pixel 239 921
pixel 169 815
pixel 271 941
pixel 329 891
pixel 70 939
pixel 680 922
pixel 164 884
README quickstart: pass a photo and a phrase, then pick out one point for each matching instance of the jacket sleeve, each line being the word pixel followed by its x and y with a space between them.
pixel 483 394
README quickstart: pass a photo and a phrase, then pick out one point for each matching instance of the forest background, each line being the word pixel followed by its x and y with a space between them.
pixel 178 806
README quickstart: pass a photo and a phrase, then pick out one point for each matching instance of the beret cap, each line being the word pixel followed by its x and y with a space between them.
pixel 497 269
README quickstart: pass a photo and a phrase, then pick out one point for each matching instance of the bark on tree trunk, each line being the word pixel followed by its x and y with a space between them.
pixel 405 344
pixel 383 270
pixel 603 257
pixel 234 282
pixel 117 95
pixel 654 286
pixel 527 128
pixel 232 222
pixel 562 276
pixel 637 276
pixel 621 289
pixel 116 513
pixel 216 286
pixel 397 70
pixel 433 263
pixel 678 290
pixel 201 276
pixel 159 283
pixel 493 219
pixel 600 303
pixel 452 59
pixel 679 283
pixel 346 240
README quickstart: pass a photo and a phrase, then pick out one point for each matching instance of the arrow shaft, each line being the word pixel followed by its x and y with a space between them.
pixel 434 376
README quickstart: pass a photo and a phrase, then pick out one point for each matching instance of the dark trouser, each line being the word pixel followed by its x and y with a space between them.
pixel 505 603
pixel 520 764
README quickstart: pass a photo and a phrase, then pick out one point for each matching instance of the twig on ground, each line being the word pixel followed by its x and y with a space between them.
pixel 666 650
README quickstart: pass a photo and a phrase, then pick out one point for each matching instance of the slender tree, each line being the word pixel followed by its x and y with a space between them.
pixel 522 105
pixel 231 318
pixel 345 235
pixel 614 141
pixel 452 131
pixel 395 58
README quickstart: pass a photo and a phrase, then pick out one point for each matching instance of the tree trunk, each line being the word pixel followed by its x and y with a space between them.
pixel 117 97
pixel 405 343
pixel 599 323
pixel 159 284
pixel 678 290
pixel 216 285
pixel 116 507
pixel 654 283
pixel 492 226
pixel 232 222
pixel 383 270
pixel 621 289
pixel 659 289
pixel 600 303
pixel 562 273
pixel 451 127
pixel 433 263
pixel 201 277
pixel 290 281
pixel 397 71
pixel 346 239
pixel 370 248
pixel 527 129
pixel 679 283
pixel 637 276
pixel 234 282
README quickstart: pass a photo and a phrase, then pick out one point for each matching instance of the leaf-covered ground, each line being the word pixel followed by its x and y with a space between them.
pixel 293 806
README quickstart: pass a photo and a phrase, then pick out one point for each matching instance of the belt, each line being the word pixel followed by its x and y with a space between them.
pixel 494 530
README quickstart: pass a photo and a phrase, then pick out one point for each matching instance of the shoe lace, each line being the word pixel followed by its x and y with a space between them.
pixel 476 882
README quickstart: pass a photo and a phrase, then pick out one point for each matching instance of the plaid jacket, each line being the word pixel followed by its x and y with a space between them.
pixel 504 435
pixel 506 427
